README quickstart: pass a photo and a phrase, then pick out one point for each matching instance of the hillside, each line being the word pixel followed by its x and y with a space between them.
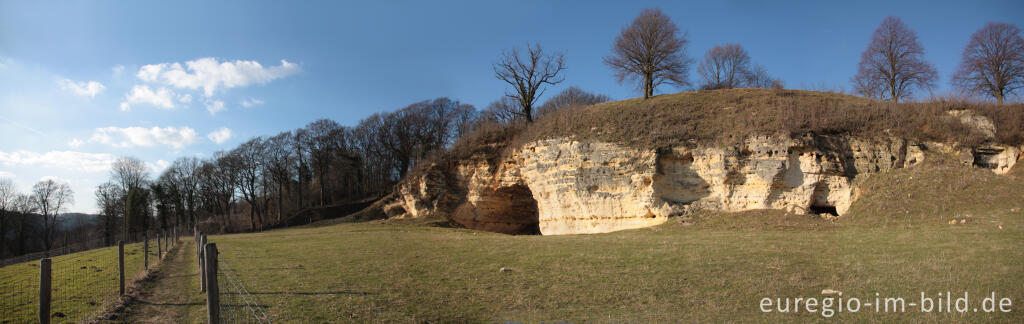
pixel 635 163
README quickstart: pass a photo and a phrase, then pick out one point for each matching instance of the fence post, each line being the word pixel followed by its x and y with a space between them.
pixel 212 290
pixel 120 264
pixel 44 291
pixel 159 245
pixel 202 264
pixel 145 250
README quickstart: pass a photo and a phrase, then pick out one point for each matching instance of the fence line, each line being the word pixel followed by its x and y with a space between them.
pixel 81 284
pixel 228 300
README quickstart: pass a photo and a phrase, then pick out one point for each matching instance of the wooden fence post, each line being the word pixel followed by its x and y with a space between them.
pixel 202 263
pixel 145 250
pixel 159 245
pixel 212 290
pixel 44 291
pixel 120 264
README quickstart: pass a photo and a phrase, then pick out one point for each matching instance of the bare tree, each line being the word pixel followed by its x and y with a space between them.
pixel 571 97
pixel 528 74
pixel 110 203
pixel 24 205
pixel 504 110
pixel 725 67
pixel 993 62
pixel 129 172
pixel 279 160
pixel 893 65
pixel 183 176
pixel 249 156
pixel 651 51
pixel 8 196
pixel 759 78
pixel 51 199
pixel 322 145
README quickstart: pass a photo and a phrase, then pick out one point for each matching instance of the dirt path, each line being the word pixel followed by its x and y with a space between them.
pixel 171 295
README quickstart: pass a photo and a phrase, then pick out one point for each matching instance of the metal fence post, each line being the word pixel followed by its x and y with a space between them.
pixel 120 264
pixel 212 290
pixel 44 291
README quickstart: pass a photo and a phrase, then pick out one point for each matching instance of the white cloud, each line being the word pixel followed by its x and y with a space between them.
pixel 75 143
pixel 84 88
pixel 56 179
pixel 157 167
pixel 117 70
pixel 162 98
pixel 146 137
pixel 210 74
pixel 8 175
pixel 249 103
pixel 185 98
pixel 215 107
pixel 70 160
pixel 220 136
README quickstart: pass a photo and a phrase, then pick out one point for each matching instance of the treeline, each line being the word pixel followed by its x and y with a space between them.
pixel 267 180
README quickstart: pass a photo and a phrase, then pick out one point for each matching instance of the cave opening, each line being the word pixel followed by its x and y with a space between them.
pixel 823 209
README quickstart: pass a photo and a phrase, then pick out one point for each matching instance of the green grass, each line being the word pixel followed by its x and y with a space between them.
pixel 84 284
pixel 710 267
pixel 674 272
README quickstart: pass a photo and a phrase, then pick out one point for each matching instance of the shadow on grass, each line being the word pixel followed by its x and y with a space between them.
pixel 310 293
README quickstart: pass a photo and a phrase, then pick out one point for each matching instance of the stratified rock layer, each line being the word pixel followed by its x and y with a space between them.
pixel 564 186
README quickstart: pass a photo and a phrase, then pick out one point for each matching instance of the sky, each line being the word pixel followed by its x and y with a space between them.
pixel 85 82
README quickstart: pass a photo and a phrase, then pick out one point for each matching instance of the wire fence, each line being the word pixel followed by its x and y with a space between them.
pixel 228 299
pixel 84 279
pixel 236 304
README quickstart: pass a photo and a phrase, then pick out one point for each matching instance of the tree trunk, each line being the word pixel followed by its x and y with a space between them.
pixel 323 190
pixel 648 85
pixel 280 199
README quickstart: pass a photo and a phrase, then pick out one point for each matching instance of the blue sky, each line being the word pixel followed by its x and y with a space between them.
pixel 82 83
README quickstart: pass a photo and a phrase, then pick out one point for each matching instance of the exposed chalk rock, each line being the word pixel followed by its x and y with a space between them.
pixel 565 186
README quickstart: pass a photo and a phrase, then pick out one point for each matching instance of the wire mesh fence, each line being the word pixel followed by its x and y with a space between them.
pixel 84 280
pixel 237 305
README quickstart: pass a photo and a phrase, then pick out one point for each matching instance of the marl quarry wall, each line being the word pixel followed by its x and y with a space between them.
pixel 565 186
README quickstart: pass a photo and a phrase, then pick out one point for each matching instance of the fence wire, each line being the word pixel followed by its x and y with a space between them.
pixel 84 280
pixel 236 304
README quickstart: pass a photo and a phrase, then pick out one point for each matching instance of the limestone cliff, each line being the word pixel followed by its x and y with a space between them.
pixel 564 186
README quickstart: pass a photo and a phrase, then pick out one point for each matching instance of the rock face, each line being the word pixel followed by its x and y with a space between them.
pixel 564 186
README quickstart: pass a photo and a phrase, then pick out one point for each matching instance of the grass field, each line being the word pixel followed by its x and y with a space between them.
pixel 711 267
pixel 896 241
pixel 84 284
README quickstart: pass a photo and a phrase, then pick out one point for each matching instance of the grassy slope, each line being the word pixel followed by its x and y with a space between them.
pixel 715 269
pixel 84 284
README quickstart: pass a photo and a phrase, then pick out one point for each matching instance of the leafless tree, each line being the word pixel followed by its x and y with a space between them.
pixel 250 159
pixel 571 97
pixel 111 203
pixel 129 173
pixel 504 110
pixel 993 62
pixel 24 205
pixel 279 161
pixel 323 141
pixel 51 199
pixel 651 51
pixel 893 65
pixel 527 75
pixel 183 175
pixel 759 78
pixel 8 196
pixel 725 67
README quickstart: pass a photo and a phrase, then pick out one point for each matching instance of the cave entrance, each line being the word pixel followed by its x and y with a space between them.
pixel 520 210
pixel 508 209
pixel 822 209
